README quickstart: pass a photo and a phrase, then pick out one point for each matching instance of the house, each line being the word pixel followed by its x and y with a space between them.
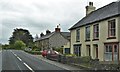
pixel 98 33
pixel 56 39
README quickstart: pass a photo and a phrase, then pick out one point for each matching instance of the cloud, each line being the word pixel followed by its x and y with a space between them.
pixel 39 15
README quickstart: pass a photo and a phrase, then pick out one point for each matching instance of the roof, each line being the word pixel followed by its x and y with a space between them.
pixel 110 10
pixel 65 34
pixel 46 36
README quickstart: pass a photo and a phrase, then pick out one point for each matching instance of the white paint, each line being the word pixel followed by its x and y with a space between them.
pixel 19 58
pixel 28 67
pixel 15 55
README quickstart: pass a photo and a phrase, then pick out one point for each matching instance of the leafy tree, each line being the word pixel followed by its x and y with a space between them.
pixel 19 44
pixel 6 46
pixel 21 34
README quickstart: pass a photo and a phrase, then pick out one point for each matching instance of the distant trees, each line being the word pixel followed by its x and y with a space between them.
pixel 21 37
pixel 5 46
pixel 19 44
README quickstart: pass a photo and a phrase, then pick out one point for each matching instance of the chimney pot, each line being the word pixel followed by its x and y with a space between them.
pixel 90 8
pixel 90 3
pixel 57 29
pixel 48 32
pixel 41 35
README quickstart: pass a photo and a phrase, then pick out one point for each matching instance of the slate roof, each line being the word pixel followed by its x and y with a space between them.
pixel 65 34
pixel 46 36
pixel 110 10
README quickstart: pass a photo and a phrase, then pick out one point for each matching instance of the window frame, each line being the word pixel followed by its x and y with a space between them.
pixel 87 33
pixel 112 28
pixel 95 32
pixel 111 53
pixel 77 35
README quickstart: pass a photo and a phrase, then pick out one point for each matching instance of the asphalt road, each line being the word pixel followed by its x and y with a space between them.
pixel 19 60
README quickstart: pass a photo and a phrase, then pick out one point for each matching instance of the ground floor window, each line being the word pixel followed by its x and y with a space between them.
pixel 111 52
pixel 77 49
pixel 67 50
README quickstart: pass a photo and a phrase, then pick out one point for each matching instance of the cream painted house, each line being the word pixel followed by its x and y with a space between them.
pixel 98 33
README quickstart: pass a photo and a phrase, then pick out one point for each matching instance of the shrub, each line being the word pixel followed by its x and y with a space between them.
pixel 70 55
pixel 86 59
pixel 34 52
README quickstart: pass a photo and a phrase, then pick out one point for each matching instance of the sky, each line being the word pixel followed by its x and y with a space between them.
pixel 39 15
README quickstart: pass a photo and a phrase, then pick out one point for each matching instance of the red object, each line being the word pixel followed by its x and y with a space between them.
pixel 44 53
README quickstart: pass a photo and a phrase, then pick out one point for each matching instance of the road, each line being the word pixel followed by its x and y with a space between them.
pixel 19 60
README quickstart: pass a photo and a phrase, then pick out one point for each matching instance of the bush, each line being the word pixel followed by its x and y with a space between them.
pixel 19 45
pixel 86 59
pixel 70 55
pixel 34 52
pixel 58 50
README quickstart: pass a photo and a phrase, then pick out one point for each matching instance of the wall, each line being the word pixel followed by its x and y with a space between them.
pixel 57 40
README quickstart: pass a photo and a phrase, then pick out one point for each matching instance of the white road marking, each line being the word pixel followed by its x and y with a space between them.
pixel 19 58
pixel 15 55
pixel 28 67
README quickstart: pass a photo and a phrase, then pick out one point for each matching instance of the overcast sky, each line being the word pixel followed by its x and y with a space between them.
pixel 39 15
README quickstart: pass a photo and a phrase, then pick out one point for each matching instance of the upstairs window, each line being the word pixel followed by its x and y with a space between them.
pixel 96 31
pixel 77 35
pixel 111 28
pixel 87 33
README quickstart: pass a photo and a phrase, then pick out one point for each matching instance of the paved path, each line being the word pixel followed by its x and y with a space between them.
pixel 65 66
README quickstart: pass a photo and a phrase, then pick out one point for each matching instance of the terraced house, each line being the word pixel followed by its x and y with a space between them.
pixel 98 33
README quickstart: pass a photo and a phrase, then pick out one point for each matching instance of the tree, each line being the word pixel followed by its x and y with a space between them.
pixel 19 45
pixel 21 34
pixel 6 46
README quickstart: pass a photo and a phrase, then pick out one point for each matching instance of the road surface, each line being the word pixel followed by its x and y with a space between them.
pixel 19 60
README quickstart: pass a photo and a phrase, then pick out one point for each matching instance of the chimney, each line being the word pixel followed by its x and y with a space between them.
pixel 90 8
pixel 41 35
pixel 48 32
pixel 57 29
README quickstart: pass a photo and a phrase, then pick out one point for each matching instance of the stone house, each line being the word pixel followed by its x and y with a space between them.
pixel 56 39
pixel 98 33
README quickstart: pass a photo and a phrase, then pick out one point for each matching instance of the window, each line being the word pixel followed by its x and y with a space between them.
pixel 67 50
pixel 77 50
pixel 77 35
pixel 115 48
pixel 87 33
pixel 111 28
pixel 96 31
pixel 111 52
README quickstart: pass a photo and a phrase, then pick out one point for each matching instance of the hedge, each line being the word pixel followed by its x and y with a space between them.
pixel 34 52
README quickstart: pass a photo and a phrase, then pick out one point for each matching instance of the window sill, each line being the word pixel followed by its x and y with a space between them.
pixel 87 40
pixel 111 38
pixel 77 41
pixel 95 39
